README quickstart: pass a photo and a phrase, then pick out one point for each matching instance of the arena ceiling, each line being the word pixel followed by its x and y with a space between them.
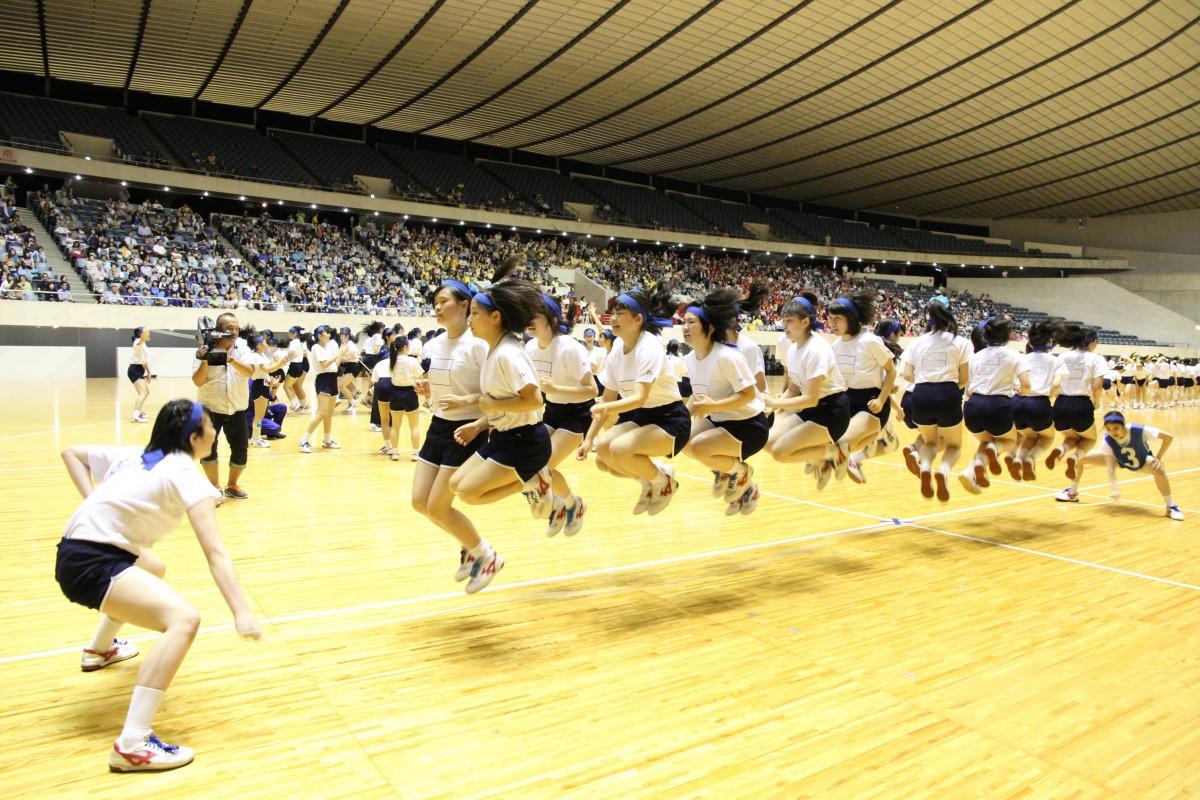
pixel 959 108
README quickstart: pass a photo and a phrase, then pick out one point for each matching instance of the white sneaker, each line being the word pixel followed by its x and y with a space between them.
pixel 305 447
pixel 482 571
pixel 92 660
pixel 1067 496
pixel 720 479
pixel 854 470
pixel 395 456
pixel 1175 513
pixel 330 444
pixel 749 500
pixel 537 491
pixel 663 494
pixel 967 479
pixel 136 418
pixel 151 754
pixel 259 442
pixel 739 481
pixel 824 473
pixel 557 518
pixel 374 429
pixel 841 461
pixel 575 517
pixel 644 498
pixel 466 562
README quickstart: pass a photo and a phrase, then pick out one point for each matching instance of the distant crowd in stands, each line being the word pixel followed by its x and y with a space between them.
pixel 24 271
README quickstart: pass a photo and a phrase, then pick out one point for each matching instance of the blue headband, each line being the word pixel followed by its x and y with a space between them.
pixel 812 312
pixel 850 307
pixel 630 302
pixel 556 311
pixel 983 323
pixel 152 457
pixel 1114 416
pixel 459 285
pixel 589 331
pixel 941 299
pixel 895 326
pixel 699 312
pixel 484 300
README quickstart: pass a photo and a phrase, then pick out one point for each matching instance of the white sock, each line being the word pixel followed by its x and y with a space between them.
pixel 1170 500
pixel 660 480
pixel 102 642
pixel 480 550
pixel 139 721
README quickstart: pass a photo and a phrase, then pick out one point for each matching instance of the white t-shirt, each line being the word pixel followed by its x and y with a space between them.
pixel 1043 369
pixel 720 375
pixel 351 354
pixel 815 357
pixel 381 370
pixel 936 357
pixel 416 348
pixel 646 363
pixel 676 368
pixel 994 370
pixel 1083 368
pixel 406 372
pixel 374 344
pixel 296 351
pixel 596 358
pixel 861 360
pixel 783 347
pixel 324 352
pixel 102 460
pixel 141 353
pixel 454 366
pixel 132 508
pixel 752 353
pixel 506 371
pixel 260 362
pixel 565 362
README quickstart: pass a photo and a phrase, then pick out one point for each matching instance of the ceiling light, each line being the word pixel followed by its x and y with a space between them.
pixel 166 188
pixel 635 241
pixel 345 211
pixel 29 171
pixel 372 197
pixel 264 205
pixel 312 205
pixel 564 233
pixel 513 228
pixel 278 202
pixel 462 222
pixel 962 265
pixel 78 177
pixel 768 252
pixel 87 158
pixel 539 230
pixel 377 213
pixel 935 263
pixel 206 194
pixel 658 242
pixel 406 216
pixel 434 219
pixel 884 261
pixel 589 236
pixel 241 197
pixel 701 247
pixel 908 262
pixel 860 261
pixel 488 225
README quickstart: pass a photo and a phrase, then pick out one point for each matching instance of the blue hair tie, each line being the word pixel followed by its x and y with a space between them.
pixel 459 285
pixel 555 311
pixel 896 326
pixel 631 302
pixel 484 300
pixel 699 312
pixel 152 457
pixel 137 333
pixel 850 307
pixel 1044 348
pixel 941 300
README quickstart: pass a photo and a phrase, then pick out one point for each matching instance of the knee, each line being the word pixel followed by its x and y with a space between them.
pixel 186 622
pixel 420 505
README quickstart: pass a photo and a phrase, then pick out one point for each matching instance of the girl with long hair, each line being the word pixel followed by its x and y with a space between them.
pixel 1033 413
pixel 994 370
pixel 401 403
pixel 1075 408
pixel 139 373
pixel 326 354
pixel 298 366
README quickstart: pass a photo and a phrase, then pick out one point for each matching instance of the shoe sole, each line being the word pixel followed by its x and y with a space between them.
pixel 943 491
pixel 114 768
pixel 910 461
pixel 1027 473
pixel 968 484
pixel 981 478
pixel 856 476
pixel 482 586
pixel 95 667
pixel 1014 469
pixel 1052 459
pixel 993 463
pixel 1070 469
pixel 927 485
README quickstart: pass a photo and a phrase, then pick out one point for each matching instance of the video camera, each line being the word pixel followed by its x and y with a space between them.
pixel 208 337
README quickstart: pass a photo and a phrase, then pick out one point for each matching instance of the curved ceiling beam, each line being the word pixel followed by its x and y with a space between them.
pixel 748 87
pixel 312 48
pixel 233 32
pixel 1109 190
pixel 529 74
pixel 791 12
pixel 1006 115
pixel 137 42
pixel 910 87
pixel 41 15
pixel 503 29
pixel 383 62
pixel 1168 198
pixel 635 57
pixel 1038 162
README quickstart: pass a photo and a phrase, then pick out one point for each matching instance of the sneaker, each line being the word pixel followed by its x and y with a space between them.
pixel 482 571
pixel 1055 454
pixel 840 461
pixel 151 754
pixel 538 491
pixel 374 429
pixel 644 499
pixel 720 479
pixel 967 479
pixel 943 491
pixel 927 485
pixel 395 456
pixel 575 517
pixel 749 500
pixel 824 474
pixel 330 444
pixel 92 660
pixel 910 461
pixel 259 442
pixel 385 450
pixel 1027 473
pixel 235 491
pixel 663 495
pixel 1067 496
pixel 136 418
pixel 1175 513
pixel 993 463
pixel 557 518
pixel 413 457
pixel 854 470
pixel 305 447
pixel 1070 469
pixel 739 481
pixel 466 563
pixel 734 507
pixel 981 477
pixel 1013 466
pixel 891 442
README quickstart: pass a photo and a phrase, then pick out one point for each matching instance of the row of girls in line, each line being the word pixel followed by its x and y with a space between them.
pixel 1136 382
pixel 1014 405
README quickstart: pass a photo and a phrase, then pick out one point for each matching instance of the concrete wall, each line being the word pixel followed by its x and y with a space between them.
pixel 1169 232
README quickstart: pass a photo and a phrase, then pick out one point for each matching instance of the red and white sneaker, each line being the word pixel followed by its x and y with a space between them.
pixel 661 496
pixel 483 570
pixel 575 517
pixel 92 660
pixel 151 755
pixel 466 563
pixel 854 470
pixel 644 499
pixel 1067 495
pixel 739 482
pixel 537 491
pixel 557 518
pixel 720 479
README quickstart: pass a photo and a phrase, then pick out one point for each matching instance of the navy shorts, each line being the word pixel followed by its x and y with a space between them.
pixel 1127 379
pixel 1074 413
pixel 383 391
pixel 440 449
pixel 832 413
pixel 1141 381
pixel 404 399
pixel 296 369
pixel 937 404
pixel 369 360
pixel 906 407
pixel 573 417
pixel 1032 413
pixel 1107 384
pixel 327 384
pixel 990 413
pixel 858 399
pixel 353 368
pixel 752 433
pixel 258 388
pixel 685 387
pixel 135 373
pixel 1163 383
pixel 84 570
pixel 672 419
pixel 525 449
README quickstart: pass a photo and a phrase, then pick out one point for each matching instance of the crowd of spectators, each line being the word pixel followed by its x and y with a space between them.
pixel 24 270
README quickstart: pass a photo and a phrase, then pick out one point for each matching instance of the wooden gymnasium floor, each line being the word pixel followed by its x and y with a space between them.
pixel 855 643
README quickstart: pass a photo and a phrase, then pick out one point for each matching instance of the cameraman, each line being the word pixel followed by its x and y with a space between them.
pixel 225 395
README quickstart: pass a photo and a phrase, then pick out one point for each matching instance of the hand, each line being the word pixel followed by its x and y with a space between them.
pixel 486 403
pixel 451 402
pixel 247 626
pixel 582 453
pixel 600 410
pixel 546 385
pixel 422 387
pixel 772 402
pixel 466 434
pixel 700 404
pixel 876 405
pixel 1154 464
pixel 201 351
